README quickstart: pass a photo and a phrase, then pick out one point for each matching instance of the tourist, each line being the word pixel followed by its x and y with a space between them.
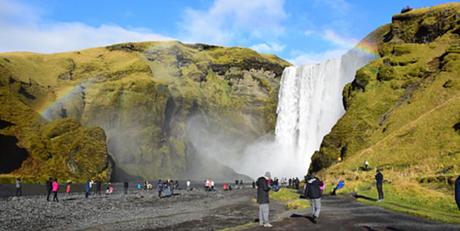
pixel 98 187
pixel 366 165
pixel 457 192
pixel 290 182
pixel 55 189
pixel 313 192
pixel 67 187
pixel 263 200
pixel 253 184
pixel 18 187
pixel 125 186
pixel 379 183
pixel 49 186
pixel 159 188
pixel 212 186
pixel 109 189
pixel 241 183
pixel 297 183
pixel 188 185
pixel 337 187
pixel 87 188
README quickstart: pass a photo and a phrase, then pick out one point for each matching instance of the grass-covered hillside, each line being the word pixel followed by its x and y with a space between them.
pixel 143 96
pixel 403 116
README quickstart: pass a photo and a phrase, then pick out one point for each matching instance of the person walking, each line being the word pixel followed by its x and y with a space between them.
pixel 263 200
pixel 340 185
pixel 457 192
pixel 379 183
pixel 87 188
pixel 18 187
pixel 313 192
pixel 49 186
pixel 55 189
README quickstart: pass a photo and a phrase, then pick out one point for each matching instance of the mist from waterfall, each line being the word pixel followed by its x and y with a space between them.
pixel 309 105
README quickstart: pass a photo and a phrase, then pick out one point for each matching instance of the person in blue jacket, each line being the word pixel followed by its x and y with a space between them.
pixel 340 185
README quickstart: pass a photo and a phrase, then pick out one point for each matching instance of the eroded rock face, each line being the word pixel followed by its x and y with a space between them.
pixel 35 149
pixel 401 107
pixel 144 94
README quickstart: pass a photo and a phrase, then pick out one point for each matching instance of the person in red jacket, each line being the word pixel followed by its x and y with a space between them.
pixel 55 189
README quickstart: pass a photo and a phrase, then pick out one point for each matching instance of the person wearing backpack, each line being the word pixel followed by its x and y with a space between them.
pixel 313 192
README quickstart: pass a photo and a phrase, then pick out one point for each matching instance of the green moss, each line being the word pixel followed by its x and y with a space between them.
pixel 400 118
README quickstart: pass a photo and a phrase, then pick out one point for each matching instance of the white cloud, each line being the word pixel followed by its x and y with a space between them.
pixel 300 58
pixel 339 40
pixel 268 47
pixel 29 33
pixel 233 20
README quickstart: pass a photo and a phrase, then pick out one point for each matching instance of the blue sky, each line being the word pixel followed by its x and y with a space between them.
pixel 301 31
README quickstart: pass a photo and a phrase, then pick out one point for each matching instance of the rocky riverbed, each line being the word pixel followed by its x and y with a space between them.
pixel 139 210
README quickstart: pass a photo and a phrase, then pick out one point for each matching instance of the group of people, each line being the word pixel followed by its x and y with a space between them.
pixel 166 188
pixel 52 186
pixel 313 190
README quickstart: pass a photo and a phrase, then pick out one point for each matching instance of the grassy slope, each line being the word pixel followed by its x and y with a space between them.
pixel 401 110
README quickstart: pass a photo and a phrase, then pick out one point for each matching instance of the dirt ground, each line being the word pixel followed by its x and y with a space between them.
pixel 344 213
pixel 195 210
pixel 139 210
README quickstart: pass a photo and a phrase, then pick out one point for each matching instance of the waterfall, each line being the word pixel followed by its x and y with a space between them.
pixel 309 105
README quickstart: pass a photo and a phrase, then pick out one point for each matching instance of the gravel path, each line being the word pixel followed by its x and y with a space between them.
pixel 344 213
pixel 139 210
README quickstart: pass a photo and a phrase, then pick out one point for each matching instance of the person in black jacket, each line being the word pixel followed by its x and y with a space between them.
pixel 263 199
pixel 313 192
pixel 457 192
pixel 49 186
pixel 126 186
pixel 379 183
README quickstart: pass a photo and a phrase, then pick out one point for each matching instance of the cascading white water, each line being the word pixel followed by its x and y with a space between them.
pixel 310 103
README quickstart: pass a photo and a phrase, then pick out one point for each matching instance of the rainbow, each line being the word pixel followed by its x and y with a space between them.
pixel 368 47
pixel 49 108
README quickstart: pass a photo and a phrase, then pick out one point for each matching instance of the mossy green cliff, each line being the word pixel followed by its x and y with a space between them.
pixel 143 95
pixel 402 111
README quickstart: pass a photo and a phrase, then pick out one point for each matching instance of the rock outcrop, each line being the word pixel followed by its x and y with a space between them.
pixel 143 95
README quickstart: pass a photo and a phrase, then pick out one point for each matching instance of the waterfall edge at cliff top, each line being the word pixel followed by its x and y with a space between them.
pixel 309 105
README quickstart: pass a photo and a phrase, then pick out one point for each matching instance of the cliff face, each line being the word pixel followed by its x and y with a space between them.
pixel 144 95
pixel 403 108
pixel 35 149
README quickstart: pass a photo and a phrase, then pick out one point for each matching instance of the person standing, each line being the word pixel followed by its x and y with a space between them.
pixel 457 192
pixel 18 187
pixel 188 185
pixel 263 200
pixel 87 188
pixel 313 192
pixel 379 183
pixel 67 187
pixel 49 186
pixel 55 189
pixel 126 186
